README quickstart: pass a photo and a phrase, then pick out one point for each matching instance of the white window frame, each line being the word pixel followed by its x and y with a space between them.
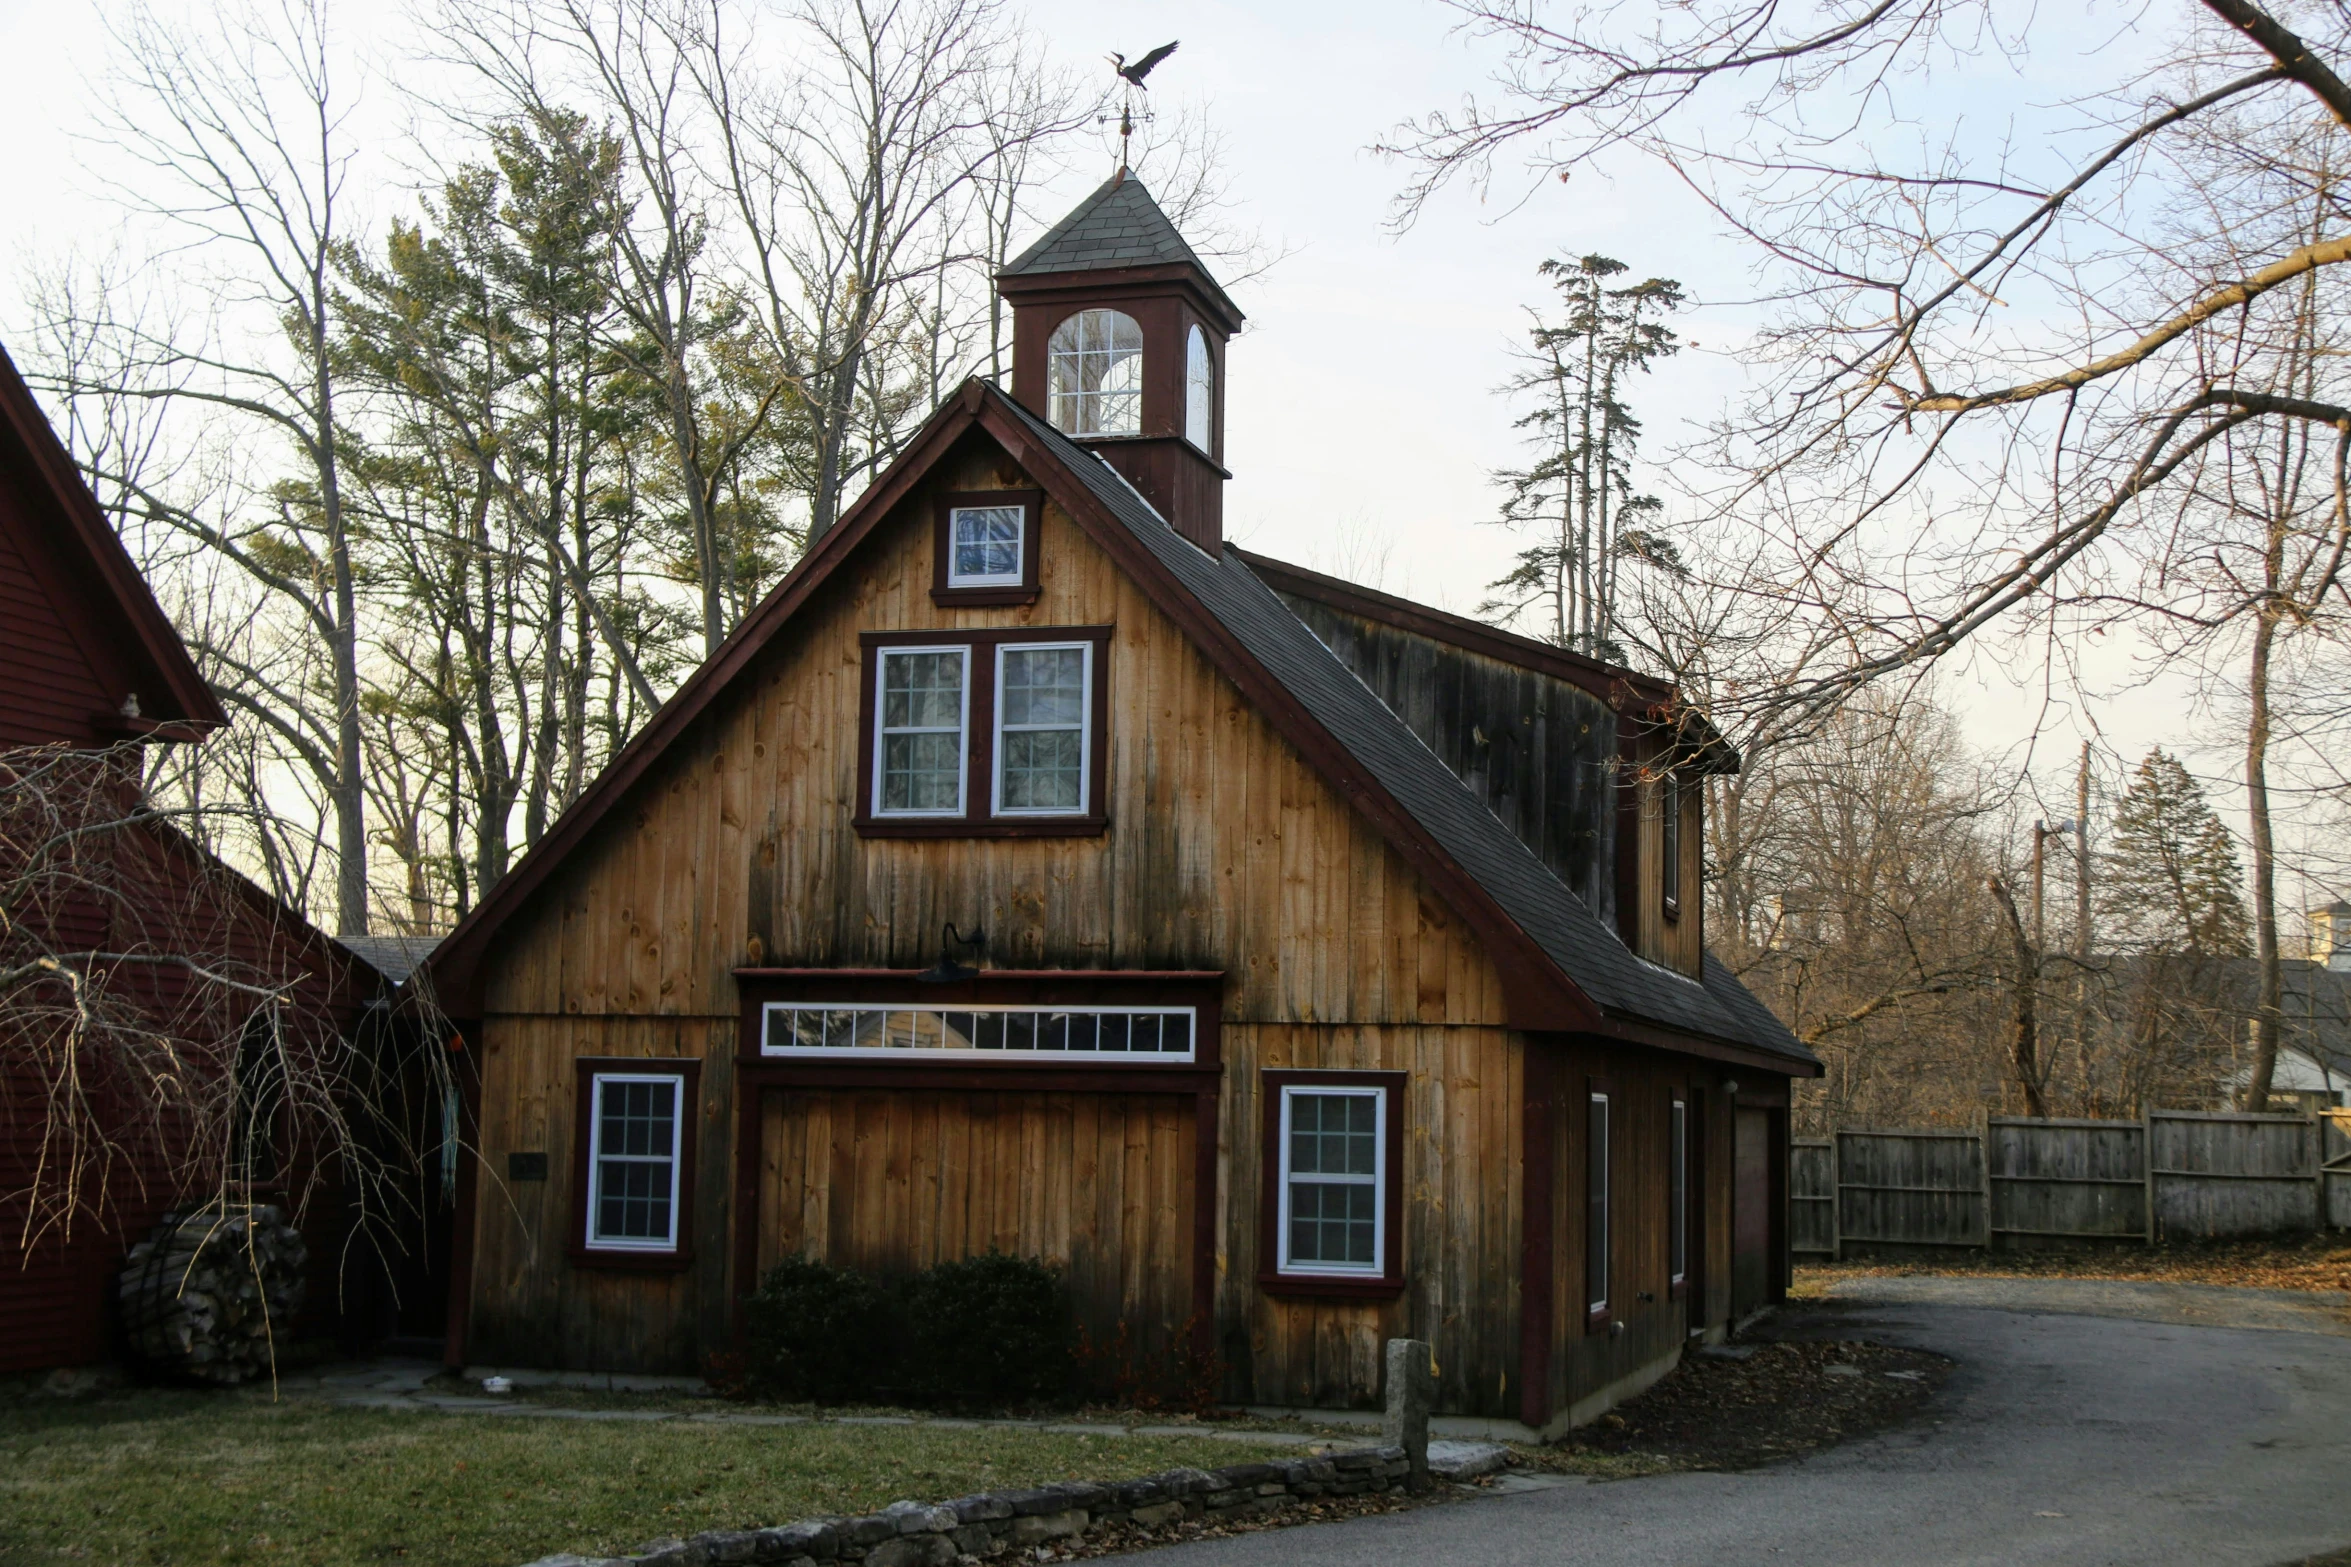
pixel 881 732
pixel 776 1024
pixel 1377 1180
pixel 1200 382
pixel 677 1160
pixel 996 804
pixel 1086 406
pixel 1678 1192
pixel 992 579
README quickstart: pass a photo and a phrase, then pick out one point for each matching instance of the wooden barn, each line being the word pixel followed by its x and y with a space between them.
pixel 91 672
pixel 1299 966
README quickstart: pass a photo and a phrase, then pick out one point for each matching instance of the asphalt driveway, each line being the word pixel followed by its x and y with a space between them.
pixel 2088 1422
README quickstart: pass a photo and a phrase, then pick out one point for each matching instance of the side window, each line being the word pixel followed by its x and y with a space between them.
pixel 1597 1197
pixel 636 1157
pixel 1332 1186
pixel 1677 1198
pixel 1669 841
pixel 1199 392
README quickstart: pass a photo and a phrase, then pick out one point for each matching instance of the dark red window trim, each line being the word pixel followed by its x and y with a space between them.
pixel 1600 1239
pixel 588 1069
pixel 1032 503
pixel 1270 1279
pixel 979 759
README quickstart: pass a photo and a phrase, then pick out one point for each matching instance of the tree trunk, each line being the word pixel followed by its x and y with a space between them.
pixel 2270 972
pixel 350 787
pixel 2024 1046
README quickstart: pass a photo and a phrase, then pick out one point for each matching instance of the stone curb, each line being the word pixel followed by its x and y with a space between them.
pixel 972 1528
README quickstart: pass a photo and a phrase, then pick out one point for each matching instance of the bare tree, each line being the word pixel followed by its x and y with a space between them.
pixel 234 136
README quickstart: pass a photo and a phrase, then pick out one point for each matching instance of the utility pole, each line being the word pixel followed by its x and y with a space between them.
pixel 2081 861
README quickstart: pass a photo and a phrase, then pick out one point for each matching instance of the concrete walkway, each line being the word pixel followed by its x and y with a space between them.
pixel 2086 1423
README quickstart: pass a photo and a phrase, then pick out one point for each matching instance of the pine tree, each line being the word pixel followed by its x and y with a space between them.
pixel 1578 494
pixel 2171 874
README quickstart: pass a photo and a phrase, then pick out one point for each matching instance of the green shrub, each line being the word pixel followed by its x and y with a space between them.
pixel 993 1330
pixel 822 1333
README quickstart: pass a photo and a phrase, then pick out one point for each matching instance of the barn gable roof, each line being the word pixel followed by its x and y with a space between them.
pixel 109 611
pixel 1561 967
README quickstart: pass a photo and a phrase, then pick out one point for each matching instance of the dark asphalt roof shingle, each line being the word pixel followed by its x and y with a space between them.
pixel 1584 948
pixel 1118 226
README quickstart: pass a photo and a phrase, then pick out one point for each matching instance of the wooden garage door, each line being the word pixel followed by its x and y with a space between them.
pixel 894 1180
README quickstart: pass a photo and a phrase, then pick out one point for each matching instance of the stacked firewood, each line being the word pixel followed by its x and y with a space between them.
pixel 212 1293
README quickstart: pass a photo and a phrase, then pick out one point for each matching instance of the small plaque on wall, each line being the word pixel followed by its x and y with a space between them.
pixel 526 1166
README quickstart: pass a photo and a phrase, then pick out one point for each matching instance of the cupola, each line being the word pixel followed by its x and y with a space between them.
pixel 1118 340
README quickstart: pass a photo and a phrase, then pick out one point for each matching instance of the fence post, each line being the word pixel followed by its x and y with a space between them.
pixel 2147 1166
pixel 1983 1162
pixel 1836 1198
pixel 1411 1389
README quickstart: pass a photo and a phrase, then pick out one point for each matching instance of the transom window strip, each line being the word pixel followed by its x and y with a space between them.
pixel 1156 1033
pixel 986 545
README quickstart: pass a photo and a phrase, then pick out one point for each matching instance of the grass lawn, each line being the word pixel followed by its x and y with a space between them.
pixel 147 1478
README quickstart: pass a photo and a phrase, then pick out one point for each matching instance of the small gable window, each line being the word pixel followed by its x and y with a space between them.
pixel 1000 733
pixel 1199 392
pixel 984 550
pixel 985 545
pixel 1094 374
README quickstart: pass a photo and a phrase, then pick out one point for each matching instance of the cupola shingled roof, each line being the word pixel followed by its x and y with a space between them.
pixel 1118 226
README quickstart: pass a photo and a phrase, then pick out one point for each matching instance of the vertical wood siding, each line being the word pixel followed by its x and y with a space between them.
pixel 1225 851
pixel 894 1181
pixel 1540 752
pixel 1642 1084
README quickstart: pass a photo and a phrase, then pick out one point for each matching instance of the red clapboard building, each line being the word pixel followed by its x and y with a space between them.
pixel 89 663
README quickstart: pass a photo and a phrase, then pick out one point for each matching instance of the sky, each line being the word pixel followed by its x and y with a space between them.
pixel 1363 423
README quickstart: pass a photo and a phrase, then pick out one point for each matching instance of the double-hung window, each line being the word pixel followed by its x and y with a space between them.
pixel 1332 1185
pixel 636 1132
pixel 921 731
pixel 1043 699
pixel 990 733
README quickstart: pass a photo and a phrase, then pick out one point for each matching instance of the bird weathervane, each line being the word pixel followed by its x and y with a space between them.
pixel 1133 76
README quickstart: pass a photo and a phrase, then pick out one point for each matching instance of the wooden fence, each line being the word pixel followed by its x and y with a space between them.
pixel 2019 1182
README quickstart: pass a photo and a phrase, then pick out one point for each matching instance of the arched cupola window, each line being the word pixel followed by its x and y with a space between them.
pixel 1094 374
pixel 1199 392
